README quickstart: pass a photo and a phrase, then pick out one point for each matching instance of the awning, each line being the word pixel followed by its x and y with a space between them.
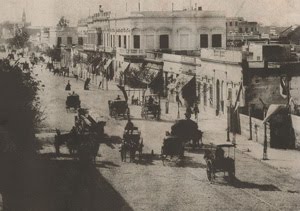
pixel 124 66
pixel 180 82
pixel 273 109
pixel 107 64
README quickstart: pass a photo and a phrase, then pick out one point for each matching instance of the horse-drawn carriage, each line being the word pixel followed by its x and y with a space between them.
pixel 151 106
pixel 84 139
pixel 217 161
pixel 183 133
pixel 132 142
pixel 73 101
pixel 118 108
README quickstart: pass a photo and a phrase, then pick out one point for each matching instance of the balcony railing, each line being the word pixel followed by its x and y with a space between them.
pixel 131 52
pixel 154 56
pixel 90 47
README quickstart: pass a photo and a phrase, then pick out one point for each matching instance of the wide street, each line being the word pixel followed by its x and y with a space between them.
pixel 148 184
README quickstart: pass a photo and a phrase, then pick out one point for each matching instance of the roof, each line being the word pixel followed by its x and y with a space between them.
pixel 178 13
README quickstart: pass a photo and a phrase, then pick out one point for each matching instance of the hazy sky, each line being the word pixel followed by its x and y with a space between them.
pixel 47 12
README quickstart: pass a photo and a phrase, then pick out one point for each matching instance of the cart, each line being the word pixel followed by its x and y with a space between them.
pixel 73 101
pixel 132 142
pixel 173 146
pixel 218 161
pixel 151 107
pixel 118 108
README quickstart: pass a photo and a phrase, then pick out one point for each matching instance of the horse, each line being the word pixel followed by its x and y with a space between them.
pixel 65 71
pixel 56 71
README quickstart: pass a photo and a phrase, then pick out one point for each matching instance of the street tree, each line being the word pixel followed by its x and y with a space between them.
pixel 20 40
pixel 63 22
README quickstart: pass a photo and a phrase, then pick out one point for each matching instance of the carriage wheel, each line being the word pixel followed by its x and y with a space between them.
pixel 231 174
pixel 162 155
pixel 114 113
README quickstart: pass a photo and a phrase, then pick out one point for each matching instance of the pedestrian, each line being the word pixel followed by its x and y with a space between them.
pixel 100 85
pixel 188 110
pixel 178 100
pixel 196 111
pixel 68 86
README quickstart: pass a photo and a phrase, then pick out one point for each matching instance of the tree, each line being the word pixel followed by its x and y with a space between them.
pixel 19 118
pixel 63 23
pixel 20 40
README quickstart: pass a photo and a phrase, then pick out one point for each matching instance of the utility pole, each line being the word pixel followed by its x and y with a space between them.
pixel 250 109
pixel 265 150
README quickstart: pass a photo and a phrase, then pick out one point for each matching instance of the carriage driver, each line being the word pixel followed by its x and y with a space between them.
pixel 129 126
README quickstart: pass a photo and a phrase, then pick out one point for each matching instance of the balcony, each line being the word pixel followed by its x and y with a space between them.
pixel 154 57
pixel 131 52
pixel 221 55
pixel 89 47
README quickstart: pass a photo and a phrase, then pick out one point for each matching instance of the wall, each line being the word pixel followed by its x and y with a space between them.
pixel 257 129
pixel 220 69
pixel 265 87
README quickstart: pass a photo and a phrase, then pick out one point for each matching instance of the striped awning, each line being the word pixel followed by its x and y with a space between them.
pixel 107 64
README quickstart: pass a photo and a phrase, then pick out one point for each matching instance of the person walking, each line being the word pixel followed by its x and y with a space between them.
pixel 196 111
pixel 68 86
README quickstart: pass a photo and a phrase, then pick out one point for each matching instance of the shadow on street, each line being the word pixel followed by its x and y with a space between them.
pixel 61 185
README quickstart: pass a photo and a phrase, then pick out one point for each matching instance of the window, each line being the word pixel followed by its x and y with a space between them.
pixel 246 29
pixel 252 29
pixel 125 44
pixel 136 41
pixel 69 40
pixel 58 41
pixel 236 23
pixel 164 41
pixel 120 42
pixel 128 41
pixel 216 40
pixel 205 94
pixel 80 40
pixel 230 23
pixel 203 40
pixel 99 39
pixel 240 30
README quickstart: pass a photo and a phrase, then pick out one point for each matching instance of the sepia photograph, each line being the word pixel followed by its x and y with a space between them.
pixel 149 105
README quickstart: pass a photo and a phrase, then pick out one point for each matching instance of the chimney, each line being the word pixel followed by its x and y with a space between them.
pixel 200 8
pixel 139 6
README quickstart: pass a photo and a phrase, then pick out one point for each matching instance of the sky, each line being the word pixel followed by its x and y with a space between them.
pixel 48 12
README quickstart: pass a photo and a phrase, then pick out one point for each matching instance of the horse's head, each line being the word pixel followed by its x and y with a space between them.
pixel 57 131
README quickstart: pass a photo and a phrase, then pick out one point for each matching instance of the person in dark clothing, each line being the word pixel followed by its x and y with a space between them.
pixel 150 100
pixel 118 97
pixel 188 110
pixel 196 111
pixel 178 99
pixel 68 86
pixel 129 126
pixel 86 84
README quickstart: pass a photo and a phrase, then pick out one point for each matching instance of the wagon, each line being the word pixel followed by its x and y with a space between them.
pixel 118 108
pixel 73 101
pixel 218 161
pixel 132 142
pixel 151 107
pixel 172 146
